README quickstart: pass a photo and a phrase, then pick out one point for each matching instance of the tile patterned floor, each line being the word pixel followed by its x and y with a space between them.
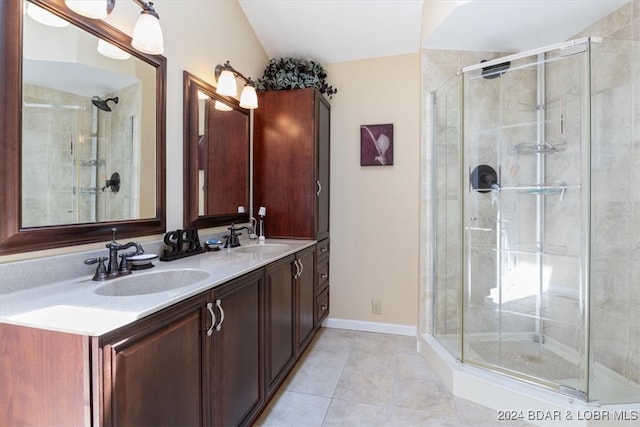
pixel 349 379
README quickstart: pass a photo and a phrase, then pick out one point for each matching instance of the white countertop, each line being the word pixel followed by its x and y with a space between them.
pixel 73 306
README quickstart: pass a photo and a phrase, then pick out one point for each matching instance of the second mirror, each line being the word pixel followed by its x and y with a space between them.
pixel 216 153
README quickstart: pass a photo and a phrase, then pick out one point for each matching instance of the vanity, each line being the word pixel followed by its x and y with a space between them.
pixel 210 352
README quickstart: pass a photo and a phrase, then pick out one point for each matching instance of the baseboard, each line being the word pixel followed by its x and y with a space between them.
pixel 382 328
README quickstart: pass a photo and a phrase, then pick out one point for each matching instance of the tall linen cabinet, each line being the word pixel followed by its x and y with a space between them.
pixel 291 179
pixel 291 163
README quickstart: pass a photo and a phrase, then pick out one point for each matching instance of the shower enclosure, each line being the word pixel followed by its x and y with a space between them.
pixel 537 249
pixel 71 144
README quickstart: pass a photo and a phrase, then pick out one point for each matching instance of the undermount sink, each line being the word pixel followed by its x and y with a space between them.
pixel 151 283
pixel 262 248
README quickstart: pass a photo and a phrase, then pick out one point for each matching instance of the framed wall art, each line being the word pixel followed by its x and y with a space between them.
pixel 376 145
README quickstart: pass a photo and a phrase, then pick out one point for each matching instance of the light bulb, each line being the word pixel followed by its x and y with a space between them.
pixel 221 106
pixel 147 35
pixel 45 17
pixel 111 51
pixel 227 84
pixel 249 98
pixel 96 9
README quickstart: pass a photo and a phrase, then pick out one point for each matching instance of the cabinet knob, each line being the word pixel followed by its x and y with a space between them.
pixel 324 307
pixel 324 275
pixel 324 249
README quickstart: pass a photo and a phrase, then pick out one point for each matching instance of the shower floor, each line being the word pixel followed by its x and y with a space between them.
pixel 527 357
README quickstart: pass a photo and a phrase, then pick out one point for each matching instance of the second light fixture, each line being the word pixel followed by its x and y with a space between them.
pixel 226 77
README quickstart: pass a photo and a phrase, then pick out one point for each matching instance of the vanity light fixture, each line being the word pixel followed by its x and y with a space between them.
pixel 221 106
pixel 147 34
pixel 111 51
pixel 44 16
pixel 226 77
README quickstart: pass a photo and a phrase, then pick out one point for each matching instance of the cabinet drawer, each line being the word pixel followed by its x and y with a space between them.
pixel 323 249
pixel 322 306
pixel 322 271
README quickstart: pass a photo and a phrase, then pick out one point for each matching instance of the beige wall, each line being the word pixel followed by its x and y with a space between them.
pixel 374 210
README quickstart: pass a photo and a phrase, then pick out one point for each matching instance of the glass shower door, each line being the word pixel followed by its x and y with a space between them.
pixel 447 298
pixel 524 217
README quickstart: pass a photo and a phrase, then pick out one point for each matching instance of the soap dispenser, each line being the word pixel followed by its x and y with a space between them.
pixel 262 212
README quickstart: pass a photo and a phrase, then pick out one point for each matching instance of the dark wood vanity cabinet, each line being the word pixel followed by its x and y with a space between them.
pixel 321 309
pixel 304 286
pixel 237 348
pixel 289 313
pixel 279 321
pixel 197 363
pixel 212 360
pixel 152 373
pixel 291 163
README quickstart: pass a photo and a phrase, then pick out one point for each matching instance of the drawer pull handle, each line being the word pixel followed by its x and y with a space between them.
pixel 324 275
pixel 324 249
pixel 324 307
pixel 213 319
pixel 296 262
pixel 219 305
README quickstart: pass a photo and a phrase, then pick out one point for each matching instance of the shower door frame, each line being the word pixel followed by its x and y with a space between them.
pixel 585 216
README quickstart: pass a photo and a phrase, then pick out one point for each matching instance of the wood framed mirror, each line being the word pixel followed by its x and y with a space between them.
pixel 47 115
pixel 216 157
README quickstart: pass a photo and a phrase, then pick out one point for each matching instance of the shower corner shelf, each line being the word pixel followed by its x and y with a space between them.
pixel 539 190
pixel 93 162
pixel 543 148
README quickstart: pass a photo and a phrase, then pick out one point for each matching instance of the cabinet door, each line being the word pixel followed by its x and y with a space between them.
pixel 152 372
pixel 284 162
pixel 279 321
pixel 323 129
pixel 305 297
pixel 238 350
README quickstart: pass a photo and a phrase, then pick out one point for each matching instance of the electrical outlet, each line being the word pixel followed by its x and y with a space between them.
pixel 376 306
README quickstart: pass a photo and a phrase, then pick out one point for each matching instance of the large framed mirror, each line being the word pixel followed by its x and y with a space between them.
pixel 82 134
pixel 216 156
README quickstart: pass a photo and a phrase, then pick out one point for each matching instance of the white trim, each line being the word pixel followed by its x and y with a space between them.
pixel 382 328
pixel 501 393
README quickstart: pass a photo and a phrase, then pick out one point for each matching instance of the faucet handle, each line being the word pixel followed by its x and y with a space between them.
pixel 125 267
pixel 101 271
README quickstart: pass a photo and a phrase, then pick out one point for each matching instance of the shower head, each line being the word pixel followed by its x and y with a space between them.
pixel 494 71
pixel 102 104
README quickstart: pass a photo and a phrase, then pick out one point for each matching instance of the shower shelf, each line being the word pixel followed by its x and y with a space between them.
pixel 525 249
pixel 88 190
pixel 92 162
pixel 548 249
pixel 540 190
pixel 544 148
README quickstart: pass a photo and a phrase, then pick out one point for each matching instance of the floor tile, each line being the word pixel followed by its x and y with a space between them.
pixel 289 409
pixel 352 379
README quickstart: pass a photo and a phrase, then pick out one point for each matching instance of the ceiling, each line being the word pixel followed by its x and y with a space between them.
pixel 333 31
